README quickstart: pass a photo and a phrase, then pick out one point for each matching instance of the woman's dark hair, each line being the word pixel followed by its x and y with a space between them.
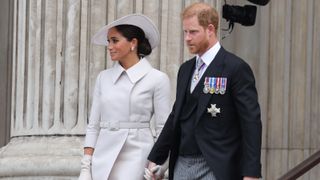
pixel 130 32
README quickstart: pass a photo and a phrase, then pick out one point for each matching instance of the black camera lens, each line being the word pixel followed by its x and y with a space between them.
pixel 245 15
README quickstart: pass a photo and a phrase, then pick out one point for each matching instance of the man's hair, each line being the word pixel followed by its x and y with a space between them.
pixel 205 13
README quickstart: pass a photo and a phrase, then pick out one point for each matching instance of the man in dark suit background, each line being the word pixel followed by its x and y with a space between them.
pixel 214 129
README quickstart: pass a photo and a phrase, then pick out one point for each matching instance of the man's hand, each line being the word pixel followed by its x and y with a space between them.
pixel 154 171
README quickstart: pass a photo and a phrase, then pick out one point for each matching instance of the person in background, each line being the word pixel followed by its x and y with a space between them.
pixel 126 97
pixel 214 129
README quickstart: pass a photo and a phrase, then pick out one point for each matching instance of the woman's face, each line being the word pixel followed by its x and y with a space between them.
pixel 119 47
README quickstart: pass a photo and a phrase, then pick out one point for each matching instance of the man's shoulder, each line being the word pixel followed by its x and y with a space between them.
pixel 230 55
pixel 189 61
pixel 234 63
pixel 232 58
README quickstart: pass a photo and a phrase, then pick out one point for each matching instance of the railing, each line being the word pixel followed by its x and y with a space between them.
pixel 302 168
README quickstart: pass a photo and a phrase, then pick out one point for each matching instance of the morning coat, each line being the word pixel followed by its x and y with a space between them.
pixel 229 142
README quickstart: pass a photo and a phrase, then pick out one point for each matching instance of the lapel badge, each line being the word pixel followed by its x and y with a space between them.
pixel 213 110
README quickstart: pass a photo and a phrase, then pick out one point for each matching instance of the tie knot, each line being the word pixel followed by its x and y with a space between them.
pixel 200 63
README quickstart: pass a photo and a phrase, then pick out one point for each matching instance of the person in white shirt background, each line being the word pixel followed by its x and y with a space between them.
pixel 125 99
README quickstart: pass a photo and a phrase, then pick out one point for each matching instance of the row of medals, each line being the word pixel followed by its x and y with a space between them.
pixel 215 85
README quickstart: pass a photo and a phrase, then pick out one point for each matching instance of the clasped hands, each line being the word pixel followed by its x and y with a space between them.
pixel 154 171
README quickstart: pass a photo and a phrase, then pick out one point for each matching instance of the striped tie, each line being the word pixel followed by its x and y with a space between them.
pixel 197 73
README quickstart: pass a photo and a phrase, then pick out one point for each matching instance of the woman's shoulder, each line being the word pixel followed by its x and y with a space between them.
pixel 158 79
pixel 107 71
pixel 104 75
pixel 158 74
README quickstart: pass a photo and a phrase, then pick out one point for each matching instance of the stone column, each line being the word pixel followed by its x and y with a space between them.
pixel 49 90
pixel 5 69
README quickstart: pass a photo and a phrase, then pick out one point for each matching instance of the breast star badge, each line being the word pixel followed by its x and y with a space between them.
pixel 213 110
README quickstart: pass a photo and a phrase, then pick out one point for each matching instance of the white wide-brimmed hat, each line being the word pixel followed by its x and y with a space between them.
pixel 150 30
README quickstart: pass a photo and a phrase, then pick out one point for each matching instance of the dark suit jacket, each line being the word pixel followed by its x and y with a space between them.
pixel 230 142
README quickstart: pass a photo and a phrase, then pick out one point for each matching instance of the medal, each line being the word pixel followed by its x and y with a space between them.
pixel 211 84
pixel 215 85
pixel 218 85
pixel 223 85
pixel 213 110
pixel 206 88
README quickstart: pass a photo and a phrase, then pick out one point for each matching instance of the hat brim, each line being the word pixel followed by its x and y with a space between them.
pixel 139 20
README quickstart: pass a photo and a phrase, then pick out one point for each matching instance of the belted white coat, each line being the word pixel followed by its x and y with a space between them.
pixel 133 97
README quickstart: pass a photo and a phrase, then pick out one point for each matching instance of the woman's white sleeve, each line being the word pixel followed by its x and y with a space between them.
pixel 93 127
pixel 161 102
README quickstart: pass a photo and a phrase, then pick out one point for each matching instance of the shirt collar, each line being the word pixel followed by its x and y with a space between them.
pixel 135 73
pixel 210 54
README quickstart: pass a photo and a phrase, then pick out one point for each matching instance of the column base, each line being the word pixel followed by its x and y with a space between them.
pixel 41 157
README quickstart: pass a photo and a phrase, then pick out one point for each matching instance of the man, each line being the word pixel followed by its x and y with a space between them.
pixel 214 129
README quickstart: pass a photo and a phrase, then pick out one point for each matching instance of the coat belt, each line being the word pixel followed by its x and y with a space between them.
pixel 114 126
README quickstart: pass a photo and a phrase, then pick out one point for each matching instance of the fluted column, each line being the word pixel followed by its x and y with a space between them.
pixel 54 67
pixel 48 71
pixel 49 90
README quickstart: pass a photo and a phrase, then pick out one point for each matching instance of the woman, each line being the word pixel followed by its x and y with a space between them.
pixel 126 97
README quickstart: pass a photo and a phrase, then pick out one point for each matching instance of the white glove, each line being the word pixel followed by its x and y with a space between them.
pixel 85 173
pixel 156 172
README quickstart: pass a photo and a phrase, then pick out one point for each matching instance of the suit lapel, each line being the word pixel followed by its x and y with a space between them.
pixel 182 84
pixel 215 69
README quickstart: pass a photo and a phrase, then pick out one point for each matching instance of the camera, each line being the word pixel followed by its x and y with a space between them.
pixel 245 15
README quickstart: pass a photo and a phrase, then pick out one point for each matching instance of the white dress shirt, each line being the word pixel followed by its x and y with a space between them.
pixel 208 57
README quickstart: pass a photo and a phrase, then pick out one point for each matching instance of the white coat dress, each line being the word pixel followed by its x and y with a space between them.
pixel 124 101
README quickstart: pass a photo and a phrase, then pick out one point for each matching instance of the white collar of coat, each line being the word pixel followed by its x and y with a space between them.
pixel 135 73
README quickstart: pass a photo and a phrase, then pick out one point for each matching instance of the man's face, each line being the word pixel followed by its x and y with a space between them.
pixel 195 36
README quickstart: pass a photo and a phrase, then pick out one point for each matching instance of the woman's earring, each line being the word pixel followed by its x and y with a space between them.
pixel 132 48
